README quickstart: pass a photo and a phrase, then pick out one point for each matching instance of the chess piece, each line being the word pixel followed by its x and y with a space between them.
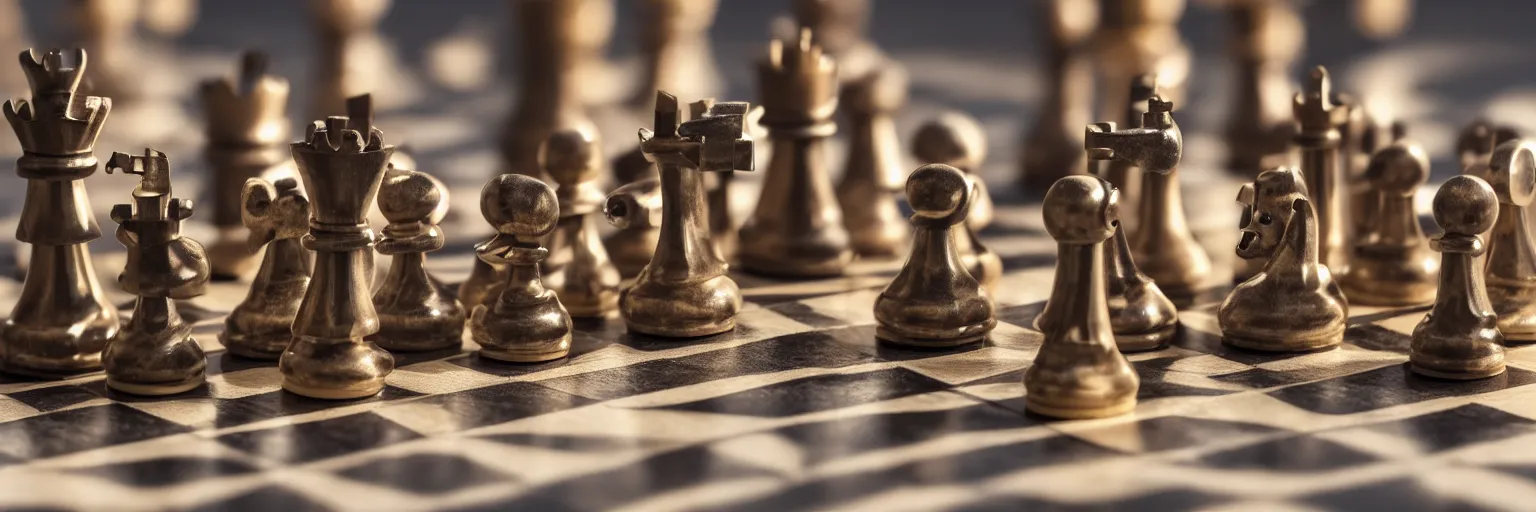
pixel 107 30
pixel 1511 267
pixel 525 323
pixel 722 221
pixel 277 215
pixel 553 46
pixel 1363 137
pixel 934 301
pixel 61 321
pixel 1135 38
pixel 956 140
pixel 155 353
pixel 683 292
pixel 1392 264
pixel 1459 339
pixel 1319 119
pixel 347 40
pixel 840 28
pixel 797 229
pixel 416 312
pixel 1293 305
pixel 631 248
pixel 1162 245
pixel 588 285
pixel 1267 36
pixel 1267 210
pixel 247 129
pixel 1477 141
pixel 872 176
pixel 342 161
pixel 676 50
pixel 1053 147
pixel 1078 373
pixel 1123 174
pixel 13 34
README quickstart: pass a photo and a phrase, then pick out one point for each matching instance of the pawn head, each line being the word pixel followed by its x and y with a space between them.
pixel 520 206
pixel 1465 205
pixel 883 89
pixel 571 155
pixel 1081 210
pixel 1512 172
pixel 954 139
pixel 937 191
pixel 408 196
pixel 1399 168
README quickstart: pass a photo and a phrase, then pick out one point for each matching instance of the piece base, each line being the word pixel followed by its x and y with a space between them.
pixel 1457 375
pixel 249 353
pixel 172 388
pixel 1146 341
pixel 330 393
pixel 1074 413
pixel 419 346
pixel 523 357
pixel 1313 345
pixel 886 336
pixel 691 332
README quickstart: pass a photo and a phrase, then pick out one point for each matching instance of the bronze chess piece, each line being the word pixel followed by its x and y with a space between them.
pixel 1320 119
pixel 588 284
pixel 483 284
pixel 841 28
pixel 346 34
pixel 1362 136
pixel 797 229
pixel 1123 174
pixel 956 139
pixel 632 247
pixel 1135 38
pixel 1053 146
pixel 108 30
pixel 526 323
pixel 277 215
pixel 1392 264
pixel 934 301
pixel 684 291
pixel 62 321
pixel 1266 38
pixel 1162 245
pixel 1511 267
pixel 416 311
pixel 1477 141
pixel 1078 373
pixel 554 49
pixel 873 173
pixel 342 162
pixel 1294 304
pixel 1459 339
pixel 155 353
pixel 1267 210
pixel 247 130
pixel 676 49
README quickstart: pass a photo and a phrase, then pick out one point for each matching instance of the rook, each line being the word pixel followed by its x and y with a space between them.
pixel 1319 119
pixel 246 129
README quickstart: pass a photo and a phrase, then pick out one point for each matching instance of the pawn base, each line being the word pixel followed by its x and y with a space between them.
pixel 1449 374
pixel 1315 344
pixel 156 389
pixel 1146 341
pixel 894 338
pixel 331 393
pixel 1081 413
pixel 522 356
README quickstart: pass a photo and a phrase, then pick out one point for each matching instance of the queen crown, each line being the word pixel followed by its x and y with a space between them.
pixel 56 121
pixel 247 109
pixel 798 82
pixel 341 167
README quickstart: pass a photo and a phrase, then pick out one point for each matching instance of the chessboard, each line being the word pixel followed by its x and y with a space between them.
pixel 799 407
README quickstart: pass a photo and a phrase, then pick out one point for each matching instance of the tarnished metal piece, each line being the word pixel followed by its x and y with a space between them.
pixel 797 228
pixel 632 247
pixel 1162 244
pixel 155 353
pixel 588 284
pixel 1267 210
pixel 345 31
pixel 1294 304
pixel 1392 264
pixel 1266 38
pixel 841 28
pixel 1459 339
pixel 342 162
pixel 416 311
pixel 1141 317
pixel 1135 38
pixel 873 174
pixel 956 139
pixel 247 130
pixel 1511 270
pixel 1079 372
pixel 934 301
pixel 1320 119
pixel 676 49
pixel 108 30
pixel 1477 141
pixel 555 44
pixel 1053 146
pixel 277 215
pixel 1361 138
pixel 61 321
pixel 526 323
pixel 1123 174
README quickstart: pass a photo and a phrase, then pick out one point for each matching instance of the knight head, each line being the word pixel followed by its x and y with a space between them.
pixel 1269 209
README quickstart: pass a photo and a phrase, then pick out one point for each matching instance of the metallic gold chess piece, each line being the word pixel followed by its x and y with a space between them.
pixel 1511 268
pixel 342 162
pixel 1266 38
pixel 108 30
pixel 1294 304
pixel 632 246
pixel 1477 141
pixel 1053 146
pixel 525 323
pixel 346 32
pixel 1123 174
pixel 934 301
pixel 1363 137
pixel 873 174
pixel 1392 264
pixel 1135 38
pixel 841 28
pixel 277 215
pixel 554 48
pixel 1162 245
pixel 1267 210
pixel 1320 119
pixel 61 321
pixel 956 140
pixel 676 49
pixel 588 285
pixel 416 311
pixel 1078 372
pixel 1459 339
pixel 155 353
pixel 684 291
pixel 247 130
pixel 797 229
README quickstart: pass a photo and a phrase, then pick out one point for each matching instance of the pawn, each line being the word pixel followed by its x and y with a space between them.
pixel 526 323
pixel 1459 339
pixel 1391 264
pixel 1141 317
pixel 588 284
pixel 155 353
pixel 955 139
pixel 277 215
pixel 416 312
pixel 934 301
pixel 1511 270
pixel 631 249
pixel 1294 304
pixel 1078 373
pixel 873 173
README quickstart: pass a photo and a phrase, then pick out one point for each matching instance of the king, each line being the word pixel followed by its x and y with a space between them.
pixel 61 322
